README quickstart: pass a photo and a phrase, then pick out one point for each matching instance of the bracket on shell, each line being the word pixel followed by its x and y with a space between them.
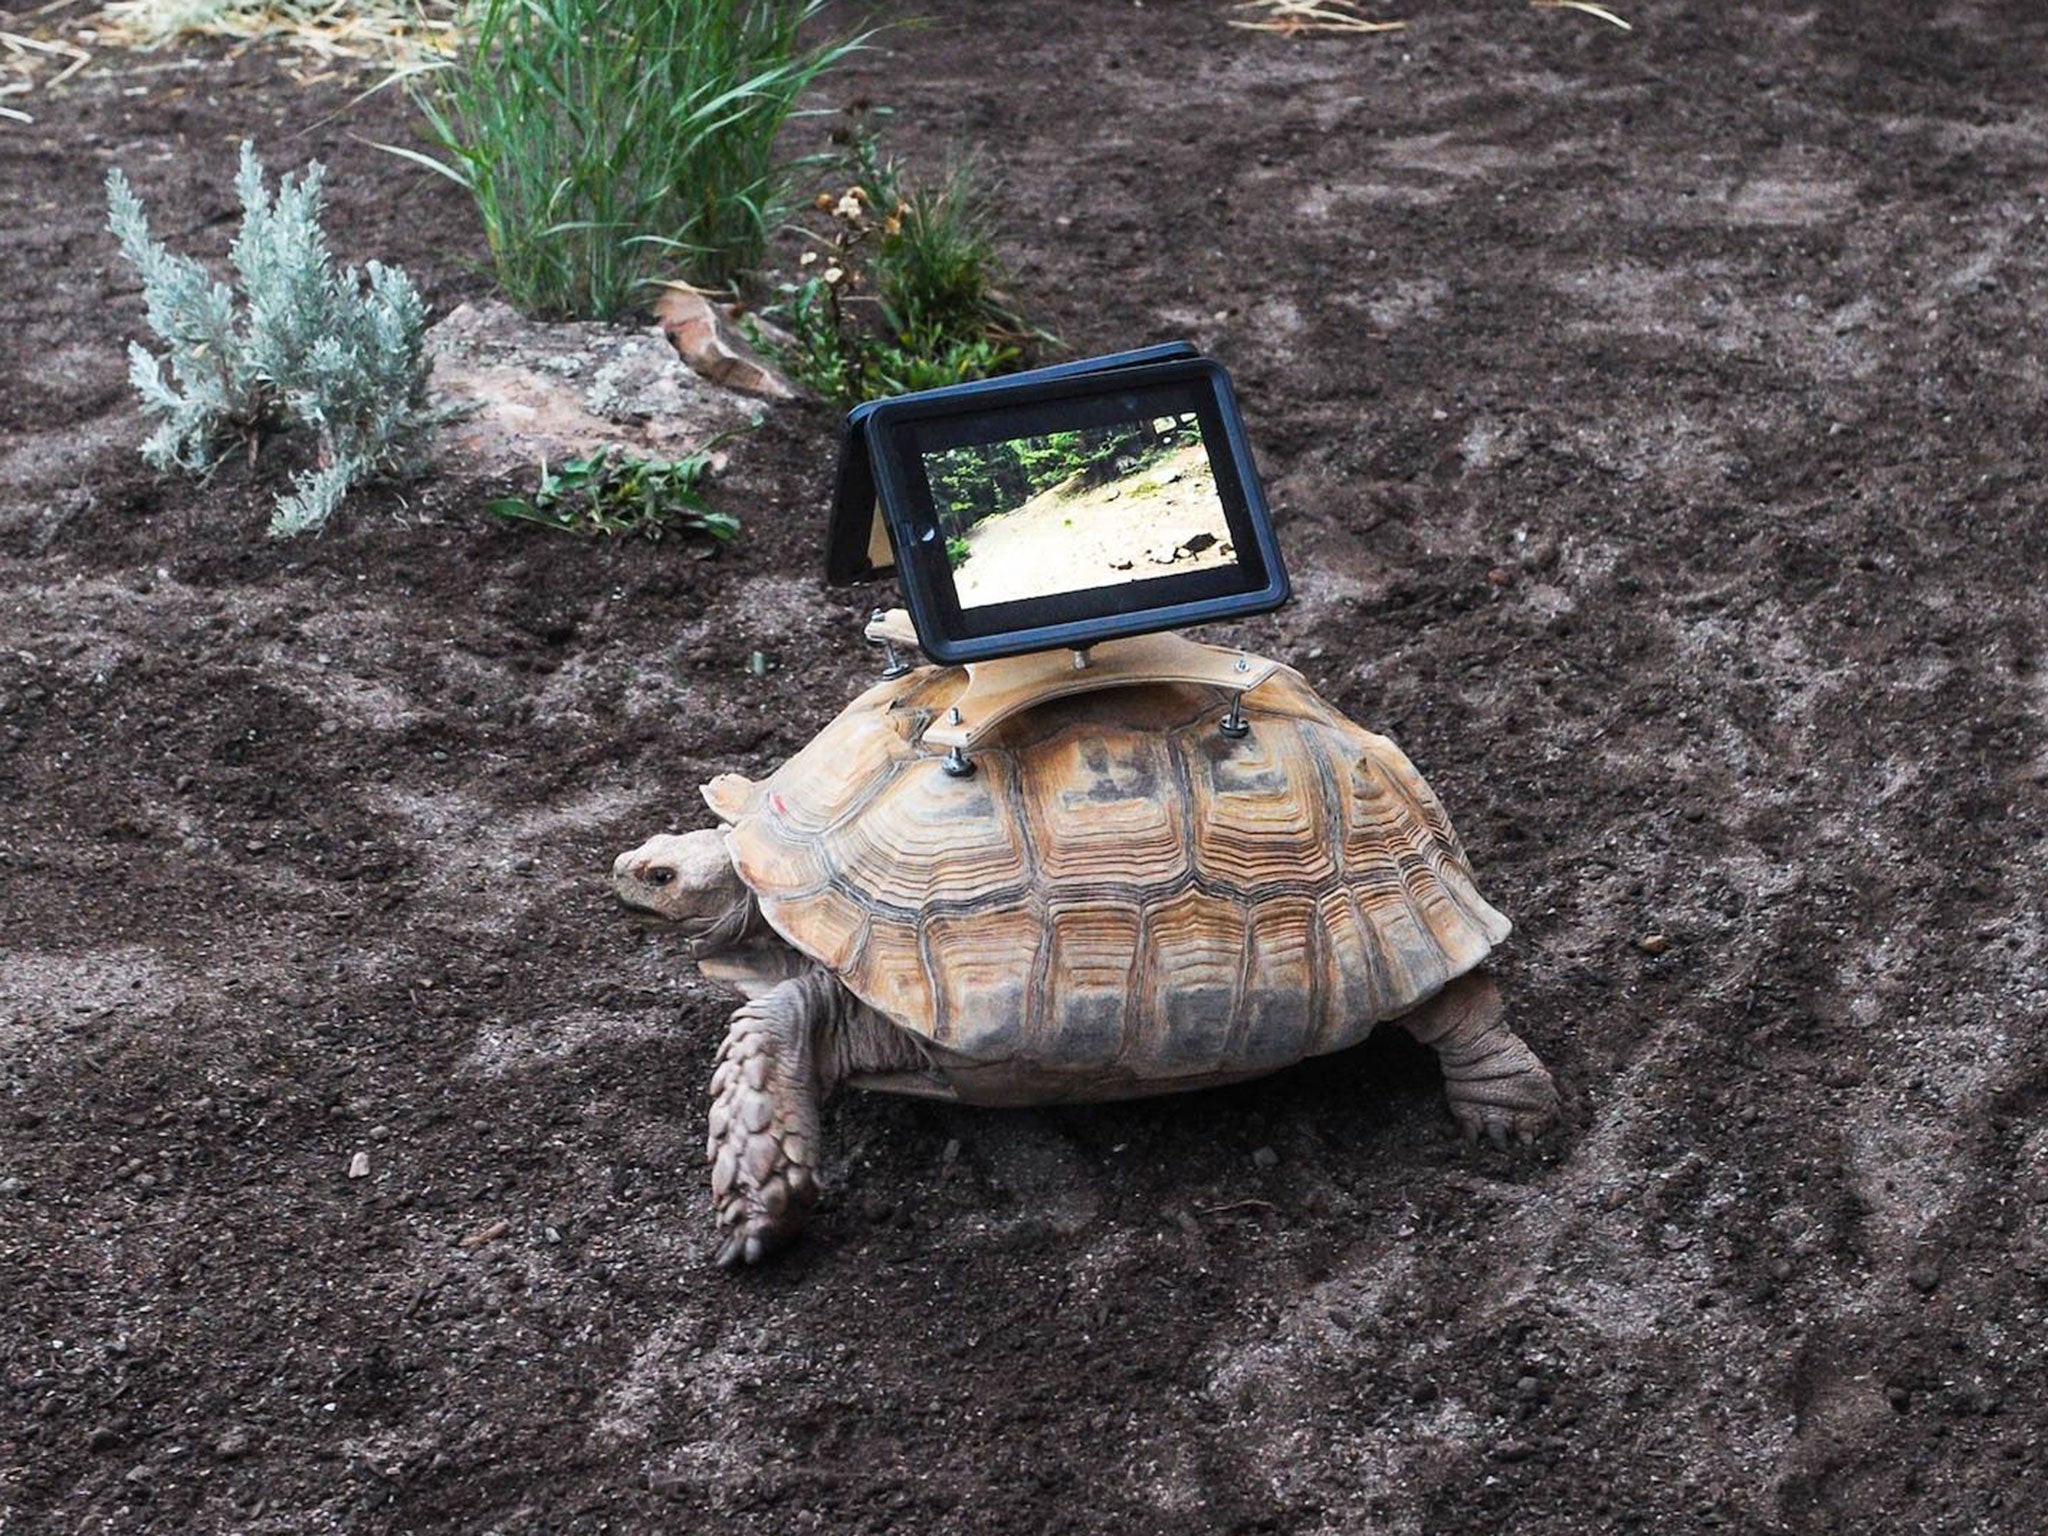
pixel 1008 685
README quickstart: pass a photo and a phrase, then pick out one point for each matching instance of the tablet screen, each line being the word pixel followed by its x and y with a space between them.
pixel 1129 501
pixel 1060 512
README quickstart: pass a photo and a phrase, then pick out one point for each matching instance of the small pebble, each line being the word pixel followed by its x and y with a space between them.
pixel 359 1166
pixel 1512 1450
pixel 1265 1157
pixel 1653 943
pixel 1899 1397
pixel 380 1133
pixel 1925 1273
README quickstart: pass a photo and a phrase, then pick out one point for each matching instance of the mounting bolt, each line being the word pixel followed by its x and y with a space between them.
pixel 893 666
pixel 1234 725
pixel 958 765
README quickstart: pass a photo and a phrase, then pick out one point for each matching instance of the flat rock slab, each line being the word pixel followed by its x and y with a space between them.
pixel 552 391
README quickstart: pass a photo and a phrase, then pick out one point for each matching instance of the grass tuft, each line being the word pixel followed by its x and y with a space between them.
pixel 608 142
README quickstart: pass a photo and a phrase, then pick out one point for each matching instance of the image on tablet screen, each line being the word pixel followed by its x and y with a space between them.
pixel 1103 506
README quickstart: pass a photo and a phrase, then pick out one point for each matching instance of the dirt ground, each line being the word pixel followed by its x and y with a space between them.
pixel 1099 536
pixel 1654 425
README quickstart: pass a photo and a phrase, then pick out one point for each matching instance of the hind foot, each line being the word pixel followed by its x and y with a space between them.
pixel 1494 1083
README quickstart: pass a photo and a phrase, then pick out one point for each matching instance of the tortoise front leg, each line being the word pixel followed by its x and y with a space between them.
pixel 784 1054
pixel 1493 1080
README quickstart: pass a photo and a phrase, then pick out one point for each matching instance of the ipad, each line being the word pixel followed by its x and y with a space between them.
pixel 1111 497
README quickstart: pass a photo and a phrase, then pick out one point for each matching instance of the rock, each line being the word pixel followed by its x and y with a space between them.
pixel 1512 1450
pixel 359 1166
pixel 530 391
pixel 705 339
pixel 103 1437
pixel 1653 943
pixel 1265 1157
pixel 1924 1274
pixel 1899 1397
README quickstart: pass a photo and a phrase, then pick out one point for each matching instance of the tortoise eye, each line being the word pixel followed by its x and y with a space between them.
pixel 660 876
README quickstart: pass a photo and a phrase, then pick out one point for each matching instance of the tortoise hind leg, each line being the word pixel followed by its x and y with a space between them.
pixel 1493 1080
pixel 784 1054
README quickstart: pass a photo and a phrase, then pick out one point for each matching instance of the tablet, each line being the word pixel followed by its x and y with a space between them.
pixel 1112 497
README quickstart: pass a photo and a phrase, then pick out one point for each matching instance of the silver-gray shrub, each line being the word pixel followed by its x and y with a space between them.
pixel 295 344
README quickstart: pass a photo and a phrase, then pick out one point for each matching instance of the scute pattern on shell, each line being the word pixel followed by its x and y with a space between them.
pixel 1120 888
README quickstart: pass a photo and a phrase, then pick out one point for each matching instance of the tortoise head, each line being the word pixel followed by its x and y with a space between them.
pixel 688 880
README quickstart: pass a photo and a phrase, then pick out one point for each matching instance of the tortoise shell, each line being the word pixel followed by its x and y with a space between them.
pixel 1122 899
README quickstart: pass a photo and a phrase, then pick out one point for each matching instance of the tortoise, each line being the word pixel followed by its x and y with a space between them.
pixel 1124 899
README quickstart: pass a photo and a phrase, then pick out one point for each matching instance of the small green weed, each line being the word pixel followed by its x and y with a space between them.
pixel 902 288
pixel 605 496
pixel 957 551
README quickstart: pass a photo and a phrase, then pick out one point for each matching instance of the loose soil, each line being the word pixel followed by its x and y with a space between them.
pixel 1130 529
pixel 1654 424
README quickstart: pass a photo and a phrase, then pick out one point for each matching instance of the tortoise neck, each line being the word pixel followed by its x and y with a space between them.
pixel 738 924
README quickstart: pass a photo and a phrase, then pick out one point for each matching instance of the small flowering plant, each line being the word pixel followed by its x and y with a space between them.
pixel 898 289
